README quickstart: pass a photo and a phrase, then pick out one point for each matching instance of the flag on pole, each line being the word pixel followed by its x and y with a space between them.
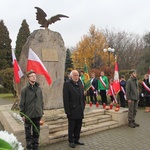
pixel 86 74
pixel 85 68
pixel 34 63
pixel 87 85
pixel 116 84
pixel 17 70
pixel 87 82
pixel 149 74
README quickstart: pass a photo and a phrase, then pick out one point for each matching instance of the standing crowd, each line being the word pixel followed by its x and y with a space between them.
pixel 74 98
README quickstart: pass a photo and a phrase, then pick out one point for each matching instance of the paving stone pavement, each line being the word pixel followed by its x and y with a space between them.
pixel 121 138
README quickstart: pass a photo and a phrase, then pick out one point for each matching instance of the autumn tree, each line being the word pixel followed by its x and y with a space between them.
pixel 90 50
pixel 5 47
pixel 131 50
pixel 69 62
pixel 22 36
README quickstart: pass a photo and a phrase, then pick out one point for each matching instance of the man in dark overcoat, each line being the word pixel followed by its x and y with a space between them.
pixel 73 98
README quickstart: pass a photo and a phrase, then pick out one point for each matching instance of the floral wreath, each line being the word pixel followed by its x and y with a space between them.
pixel 9 142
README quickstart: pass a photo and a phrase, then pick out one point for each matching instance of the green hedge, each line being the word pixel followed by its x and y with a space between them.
pixel 3 90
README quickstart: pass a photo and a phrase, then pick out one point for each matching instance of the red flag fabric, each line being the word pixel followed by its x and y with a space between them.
pixel 17 71
pixel 34 63
pixel 116 84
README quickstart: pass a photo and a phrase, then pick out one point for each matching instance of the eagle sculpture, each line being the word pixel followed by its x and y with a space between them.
pixel 41 17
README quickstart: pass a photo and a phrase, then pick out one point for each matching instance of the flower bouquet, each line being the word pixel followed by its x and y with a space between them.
pixel 9 142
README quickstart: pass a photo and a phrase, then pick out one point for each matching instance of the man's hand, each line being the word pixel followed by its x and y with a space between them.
pixel 85 93
pixel 142 94
pixel 23 118
pixel 129 101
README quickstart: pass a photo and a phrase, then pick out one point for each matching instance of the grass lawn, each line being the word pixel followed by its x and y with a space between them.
pixel 8 96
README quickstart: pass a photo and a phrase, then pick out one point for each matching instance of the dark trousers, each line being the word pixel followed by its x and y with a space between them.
pixel 92 94
pixel 147 101
pixel 74 129
pixel 111 98
pixel 122 99
pixel 133 105
pixel 32 131
pixel 103 96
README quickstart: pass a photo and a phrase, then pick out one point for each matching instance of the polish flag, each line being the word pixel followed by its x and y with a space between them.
pixel 17 71
pixel 34 63
pixel 116 84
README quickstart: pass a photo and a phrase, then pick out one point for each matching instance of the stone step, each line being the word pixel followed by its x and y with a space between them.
pixel 94 110
pixel 94 113
pixel 99 127
pixel 60 114
pixel 59 127
pixel 63 124
pixel 64 120
pixel 56 122
pixel 50 118
pixel 61 118
pixel 63 135
pixel 96 119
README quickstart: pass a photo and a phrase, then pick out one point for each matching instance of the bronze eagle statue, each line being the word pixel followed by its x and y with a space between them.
pixel 41 17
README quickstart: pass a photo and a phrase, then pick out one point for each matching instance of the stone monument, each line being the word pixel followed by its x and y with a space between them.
pixel 49 47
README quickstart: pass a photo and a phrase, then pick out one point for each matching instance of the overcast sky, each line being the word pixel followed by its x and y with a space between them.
pixel 125 15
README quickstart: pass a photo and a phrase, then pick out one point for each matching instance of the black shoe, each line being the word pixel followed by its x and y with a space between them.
pixel 136 124
pixel 72 144
pixel 79 143
pixel 131 125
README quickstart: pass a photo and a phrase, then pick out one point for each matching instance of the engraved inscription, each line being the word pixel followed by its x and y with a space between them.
pixel 49 55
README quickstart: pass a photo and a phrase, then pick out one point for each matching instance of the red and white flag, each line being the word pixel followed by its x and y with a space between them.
pixel 17 70
pixel 116 84
pixel 34 63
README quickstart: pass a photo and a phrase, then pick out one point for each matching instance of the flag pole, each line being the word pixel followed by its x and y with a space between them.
pixel 17 76
pixel 116 83
pixel 149 74
pixel 115 58
pixel 15 106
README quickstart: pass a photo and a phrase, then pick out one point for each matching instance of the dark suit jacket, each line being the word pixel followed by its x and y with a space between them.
pixel 73 98
pixel 95 84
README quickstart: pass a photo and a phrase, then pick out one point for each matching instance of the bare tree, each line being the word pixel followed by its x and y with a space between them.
pixel 128 47
pixel 144 62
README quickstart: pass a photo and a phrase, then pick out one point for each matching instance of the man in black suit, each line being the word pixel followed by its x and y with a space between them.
pixel 93 89
pixel 73 98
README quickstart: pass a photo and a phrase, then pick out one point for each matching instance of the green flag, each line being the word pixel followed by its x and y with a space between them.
pixel 87 85
pixel 86 75
pixel 85 68
pixel 87 82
